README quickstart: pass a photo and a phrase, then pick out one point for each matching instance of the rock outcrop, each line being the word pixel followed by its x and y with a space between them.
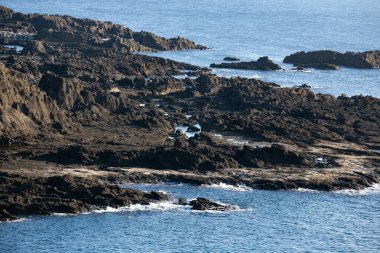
pixel 326 59
pixel 24 196
pixel 25 110
pixel 263 63
pixel 67 29
pixel 203 204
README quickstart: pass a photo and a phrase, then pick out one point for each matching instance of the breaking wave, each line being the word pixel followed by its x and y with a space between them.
pixel 374 189
pixel 228 187
pixel 161 206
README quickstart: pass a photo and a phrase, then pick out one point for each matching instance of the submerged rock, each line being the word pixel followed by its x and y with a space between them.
pixel 263 63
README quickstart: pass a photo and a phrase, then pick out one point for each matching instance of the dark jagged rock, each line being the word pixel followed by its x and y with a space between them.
pixel 203 204
pixel 24 108
pixel 65 93
pixel 304 86
pixel 276 154
pixel 151 40
pixel 326 59
pixel 263 63
pixel 66 29
pixel 207 83
pixel 231 59
pixel 64 194
pixel 69 155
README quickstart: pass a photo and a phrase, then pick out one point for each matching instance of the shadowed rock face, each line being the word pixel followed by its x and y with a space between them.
pixel 24 109
pixel 263 63
pixel 324 58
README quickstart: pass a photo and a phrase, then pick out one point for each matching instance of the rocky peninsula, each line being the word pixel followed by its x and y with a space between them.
pixel 81 111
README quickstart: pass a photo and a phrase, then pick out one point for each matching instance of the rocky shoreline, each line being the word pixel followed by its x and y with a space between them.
pixel 80 111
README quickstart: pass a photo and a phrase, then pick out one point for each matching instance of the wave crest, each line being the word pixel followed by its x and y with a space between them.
pixel 229 187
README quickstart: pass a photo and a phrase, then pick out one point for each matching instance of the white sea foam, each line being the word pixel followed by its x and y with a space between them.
pixel 184 129
pixel 161 206
pixel 229 187
pixel 180 76
pixel 64 214
pixel 374 189
pixel 234 208
pixel 18 220
pixel 304 190
pixel 18 48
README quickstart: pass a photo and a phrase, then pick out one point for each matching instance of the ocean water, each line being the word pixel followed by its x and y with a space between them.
pixel 248 29
pixel 266 221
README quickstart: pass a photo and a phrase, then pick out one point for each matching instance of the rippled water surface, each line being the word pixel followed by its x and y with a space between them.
pixel 265 222
pixel 248 29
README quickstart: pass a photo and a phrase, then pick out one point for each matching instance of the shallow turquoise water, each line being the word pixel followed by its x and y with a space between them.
pixel 266 222
pixel 248 29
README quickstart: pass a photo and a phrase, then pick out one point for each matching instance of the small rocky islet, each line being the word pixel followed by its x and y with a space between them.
pixel 81 112
pixel 327 59
pixel 322 59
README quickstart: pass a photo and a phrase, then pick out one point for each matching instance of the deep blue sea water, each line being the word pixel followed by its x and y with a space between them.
pixel 267 221
pixel 248 29
pixel 283 221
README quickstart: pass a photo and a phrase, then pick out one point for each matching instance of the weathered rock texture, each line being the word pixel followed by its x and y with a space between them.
pixel 327 59
pixel 23 196
pixel 76 99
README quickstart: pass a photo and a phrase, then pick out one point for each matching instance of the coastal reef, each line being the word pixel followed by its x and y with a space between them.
pixel 82 110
